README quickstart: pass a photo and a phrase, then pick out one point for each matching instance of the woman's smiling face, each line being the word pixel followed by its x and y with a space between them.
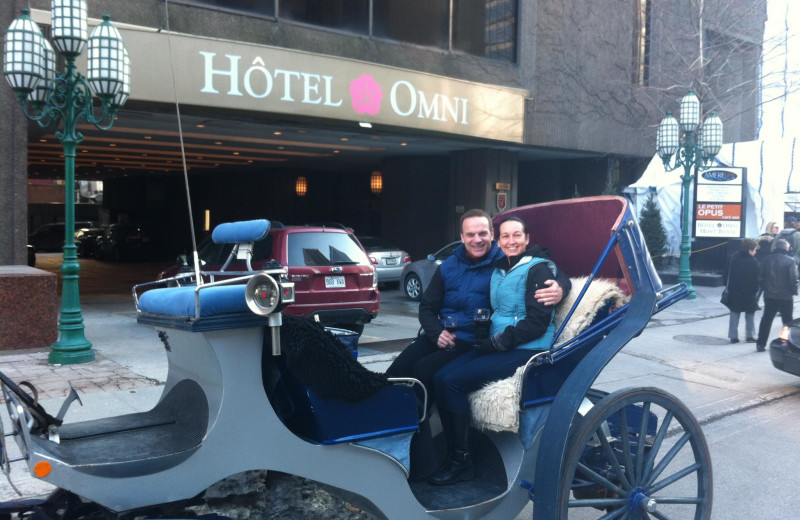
pixel 512 239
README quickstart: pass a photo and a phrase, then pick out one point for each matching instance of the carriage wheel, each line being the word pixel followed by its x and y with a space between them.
pixel 660 468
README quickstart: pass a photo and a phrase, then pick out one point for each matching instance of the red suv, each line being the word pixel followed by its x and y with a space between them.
pixel 334 279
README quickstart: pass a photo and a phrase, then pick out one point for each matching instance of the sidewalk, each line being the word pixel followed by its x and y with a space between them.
pixel 684 350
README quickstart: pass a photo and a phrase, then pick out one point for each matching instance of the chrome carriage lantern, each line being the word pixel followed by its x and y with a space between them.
pixel 60 100
pixel 690 145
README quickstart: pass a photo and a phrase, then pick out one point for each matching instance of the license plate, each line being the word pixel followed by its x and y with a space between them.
pixel 391 261
pixel 333 282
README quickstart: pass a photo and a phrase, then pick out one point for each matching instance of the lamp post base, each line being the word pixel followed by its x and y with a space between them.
pixel 71 351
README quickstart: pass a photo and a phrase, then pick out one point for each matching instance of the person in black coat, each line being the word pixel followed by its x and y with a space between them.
pixel 742 288
pixel 778 278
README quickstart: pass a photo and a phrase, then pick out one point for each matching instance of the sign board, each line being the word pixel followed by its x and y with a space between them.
pixel 719 202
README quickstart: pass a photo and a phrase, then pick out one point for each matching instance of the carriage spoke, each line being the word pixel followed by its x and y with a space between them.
pixel 660 515
pixel 662 433
pixel 626 445
pixel 612 458
pixel 598 502
pixel 667 460
pixel 658 486
pixel 599 479
pixel 640 446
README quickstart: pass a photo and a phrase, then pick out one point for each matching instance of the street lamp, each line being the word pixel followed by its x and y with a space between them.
pixel 60 100
pixel 694 149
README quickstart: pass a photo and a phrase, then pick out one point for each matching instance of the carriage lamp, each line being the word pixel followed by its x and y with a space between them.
pixel 60 100
pixel 690 145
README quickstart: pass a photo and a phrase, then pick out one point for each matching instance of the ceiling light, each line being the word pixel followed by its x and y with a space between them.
pixel 201 126
pixel 403 144
pixel 278 132
pixel 364 124
pixel 301 186
pixel 376 182
pixel 345 139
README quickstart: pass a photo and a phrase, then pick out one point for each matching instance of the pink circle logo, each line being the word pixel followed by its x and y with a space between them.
pixel 366 95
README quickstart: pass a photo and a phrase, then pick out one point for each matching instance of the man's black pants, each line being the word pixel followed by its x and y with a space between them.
pixel 771 308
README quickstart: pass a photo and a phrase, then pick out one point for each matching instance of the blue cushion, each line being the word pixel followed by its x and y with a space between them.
pixel 236 232
pixel 179 301
pixel 390 411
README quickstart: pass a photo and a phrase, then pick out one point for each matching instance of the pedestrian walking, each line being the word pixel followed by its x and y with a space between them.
pixel 742 286
pixel 778 277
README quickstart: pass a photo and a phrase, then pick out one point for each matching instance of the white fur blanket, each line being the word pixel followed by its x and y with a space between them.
pixel 496 406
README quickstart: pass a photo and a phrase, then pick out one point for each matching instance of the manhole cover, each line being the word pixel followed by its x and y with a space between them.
pixel 702 340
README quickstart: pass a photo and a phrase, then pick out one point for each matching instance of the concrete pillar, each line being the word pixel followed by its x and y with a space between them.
pixel 13 163
pixel 474 179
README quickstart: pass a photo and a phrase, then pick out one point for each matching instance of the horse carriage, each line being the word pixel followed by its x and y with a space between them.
pixel 251 389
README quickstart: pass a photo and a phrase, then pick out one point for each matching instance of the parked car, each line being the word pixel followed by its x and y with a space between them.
pixel 50 237
pixel 31 256
pixel 387 259
pixel 86 240
pixel 417 275
pixel 334 280
pixel 784 351
pixel 123 242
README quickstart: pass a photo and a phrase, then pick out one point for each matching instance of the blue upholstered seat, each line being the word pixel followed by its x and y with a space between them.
pixel 180 301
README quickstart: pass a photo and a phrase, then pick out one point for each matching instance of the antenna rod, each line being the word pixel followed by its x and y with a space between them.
pixel 183 152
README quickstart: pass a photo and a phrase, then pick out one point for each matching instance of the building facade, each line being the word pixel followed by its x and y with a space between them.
pixel 456 103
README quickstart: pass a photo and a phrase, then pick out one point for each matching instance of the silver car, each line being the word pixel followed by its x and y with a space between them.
pixel 417 275
pixel 387 259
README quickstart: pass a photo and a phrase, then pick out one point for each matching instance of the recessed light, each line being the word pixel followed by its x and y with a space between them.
pixel 147 137
pixel 201 126
pixel 403 144
pixel 42 140
pixel 345 139
pixel 235 153
pixel 112 145
pixel 217 142
pixel 364 124
pixel 336 151
pixel 278 132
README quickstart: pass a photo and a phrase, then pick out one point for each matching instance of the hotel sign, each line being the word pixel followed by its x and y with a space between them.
pixel 242 76
pixel 719 202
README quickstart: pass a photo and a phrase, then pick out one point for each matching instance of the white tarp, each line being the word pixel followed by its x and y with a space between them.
pixel 773 174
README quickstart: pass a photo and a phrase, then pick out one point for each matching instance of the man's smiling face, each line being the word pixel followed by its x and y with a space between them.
pixel 477 236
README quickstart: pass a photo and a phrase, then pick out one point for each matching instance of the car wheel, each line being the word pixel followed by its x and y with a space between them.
pixel 413 287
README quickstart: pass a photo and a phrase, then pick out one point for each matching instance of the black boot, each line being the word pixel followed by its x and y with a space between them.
pixel 459 465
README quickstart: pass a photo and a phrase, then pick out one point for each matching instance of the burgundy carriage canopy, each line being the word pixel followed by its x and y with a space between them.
pixel 576 231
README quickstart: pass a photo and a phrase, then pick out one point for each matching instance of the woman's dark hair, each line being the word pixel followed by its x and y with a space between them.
pixel 514 219
pixel 748 244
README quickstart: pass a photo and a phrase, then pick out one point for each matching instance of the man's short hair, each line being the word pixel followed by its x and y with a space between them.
pixel 791 221
pixel 782 244
pixel 471 213
pixel 748 244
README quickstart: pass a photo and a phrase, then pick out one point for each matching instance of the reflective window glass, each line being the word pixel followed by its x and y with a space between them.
pixel 486 28
pixel 262 7
pixel 347 15
pixel 424 22
pixel 324 249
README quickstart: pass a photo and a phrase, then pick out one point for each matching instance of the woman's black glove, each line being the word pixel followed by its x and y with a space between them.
pixel 490 345
pixel 485 346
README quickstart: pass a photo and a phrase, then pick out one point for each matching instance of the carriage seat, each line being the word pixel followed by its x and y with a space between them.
pixel 496 406
pixel 391 410
pixel 213 300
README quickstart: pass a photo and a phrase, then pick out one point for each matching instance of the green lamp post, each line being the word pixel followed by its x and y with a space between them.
pixel 692 150
pixel 61 100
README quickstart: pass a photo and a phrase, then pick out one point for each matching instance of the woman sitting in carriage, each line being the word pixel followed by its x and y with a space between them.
pixel 520 324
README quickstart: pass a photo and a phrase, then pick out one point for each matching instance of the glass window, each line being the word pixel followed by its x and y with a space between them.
pixel 324 249
pixel 262 7
pixel 348 15
pixel 424 22
pixel 486 28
